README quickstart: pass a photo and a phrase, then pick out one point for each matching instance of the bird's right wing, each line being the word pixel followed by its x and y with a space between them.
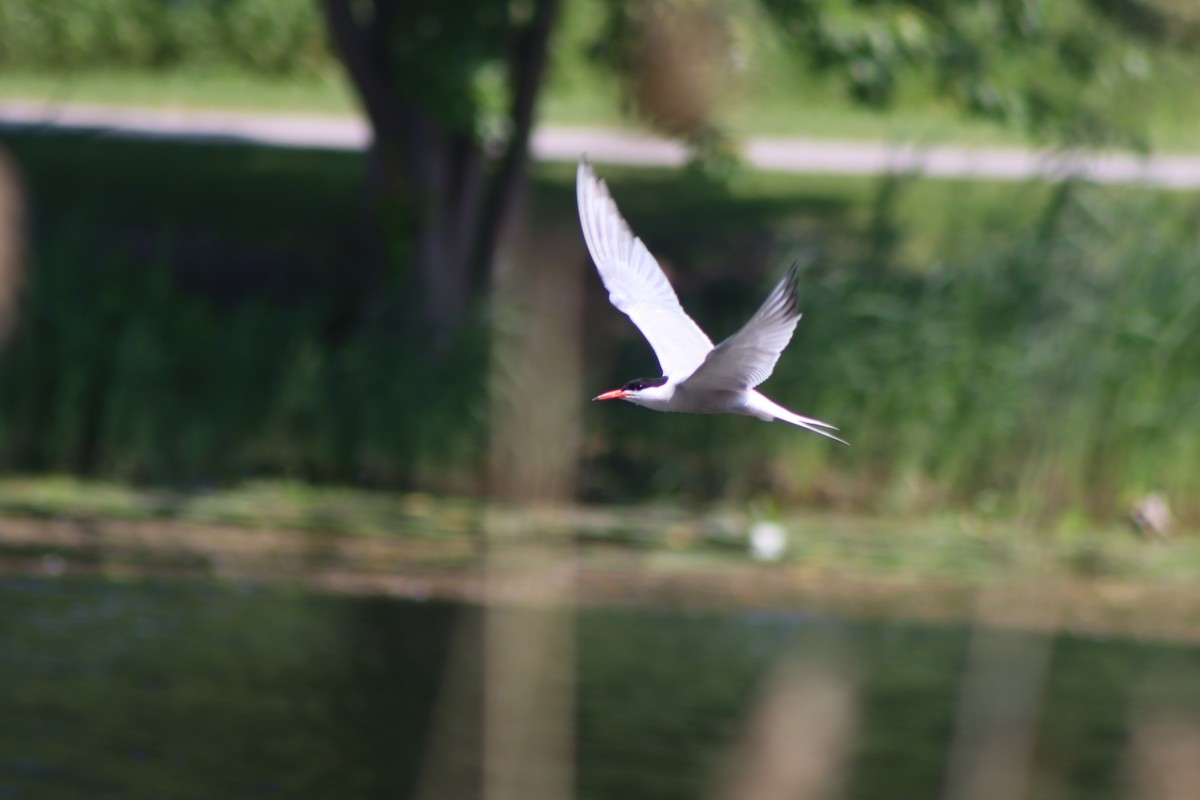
pixel 635 282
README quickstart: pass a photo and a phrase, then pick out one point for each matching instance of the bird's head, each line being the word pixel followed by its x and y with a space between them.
pixel 639 390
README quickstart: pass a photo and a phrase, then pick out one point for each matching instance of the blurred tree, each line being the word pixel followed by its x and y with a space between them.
pixel 12 245
pixel 1176 21
pixel 450 90
pixel 1045 66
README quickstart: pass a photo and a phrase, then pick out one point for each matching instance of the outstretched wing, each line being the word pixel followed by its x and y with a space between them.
pixel 748 358
pixel 635 282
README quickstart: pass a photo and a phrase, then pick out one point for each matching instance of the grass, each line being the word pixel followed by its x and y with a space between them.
pixel 809 109
pixel 255 504
pixel 592 99
pixel 190 88
pixel 963 549
pixel 1016 351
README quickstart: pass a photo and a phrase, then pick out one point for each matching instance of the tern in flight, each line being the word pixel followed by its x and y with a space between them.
pixel 696 377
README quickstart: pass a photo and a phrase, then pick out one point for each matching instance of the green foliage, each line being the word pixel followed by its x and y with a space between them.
pixel 1050 361
pixel 273 36
pixel 885 52
pixel 1048 67
pixel 1012 349
pixel 1009 349
pixel 252 388
pixel 267 36
pixel 200 336
pixel 1079 72
pixel 450 59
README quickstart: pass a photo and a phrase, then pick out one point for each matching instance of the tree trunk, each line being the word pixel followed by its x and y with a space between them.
pixel 451 200
pixel 535 418
pixel 12 245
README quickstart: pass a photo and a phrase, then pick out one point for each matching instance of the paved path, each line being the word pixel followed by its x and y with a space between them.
pixel 813 156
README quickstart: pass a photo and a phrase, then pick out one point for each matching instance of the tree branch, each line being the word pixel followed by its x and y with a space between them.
pixel 527 67
pixel 356 44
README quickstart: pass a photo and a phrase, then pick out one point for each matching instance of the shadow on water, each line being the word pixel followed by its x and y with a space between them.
pixel 191 689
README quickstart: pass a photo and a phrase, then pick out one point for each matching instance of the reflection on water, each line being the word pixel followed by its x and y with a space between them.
pixel 182 690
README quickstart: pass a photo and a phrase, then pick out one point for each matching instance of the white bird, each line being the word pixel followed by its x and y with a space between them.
pixel 696 377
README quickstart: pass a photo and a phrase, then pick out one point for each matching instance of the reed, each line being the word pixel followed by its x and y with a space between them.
pixel 1008 350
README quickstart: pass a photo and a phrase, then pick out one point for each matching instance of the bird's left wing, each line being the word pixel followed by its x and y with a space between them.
pixel 748 358
pixel 636 284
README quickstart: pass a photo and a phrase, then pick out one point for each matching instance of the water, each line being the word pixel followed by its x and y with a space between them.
pixel 207 690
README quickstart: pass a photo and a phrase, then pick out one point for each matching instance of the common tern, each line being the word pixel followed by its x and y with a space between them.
pixel 697 377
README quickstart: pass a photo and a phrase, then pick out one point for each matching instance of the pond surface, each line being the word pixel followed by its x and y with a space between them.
pixel 155 689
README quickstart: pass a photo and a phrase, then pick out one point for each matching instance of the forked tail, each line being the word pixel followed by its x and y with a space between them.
pixel 768 409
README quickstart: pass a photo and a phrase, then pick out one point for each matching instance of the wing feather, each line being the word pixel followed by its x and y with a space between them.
pixel 748 358
pixel 635 282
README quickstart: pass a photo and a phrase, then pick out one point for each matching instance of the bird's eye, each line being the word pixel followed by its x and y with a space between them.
pixel 639 384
